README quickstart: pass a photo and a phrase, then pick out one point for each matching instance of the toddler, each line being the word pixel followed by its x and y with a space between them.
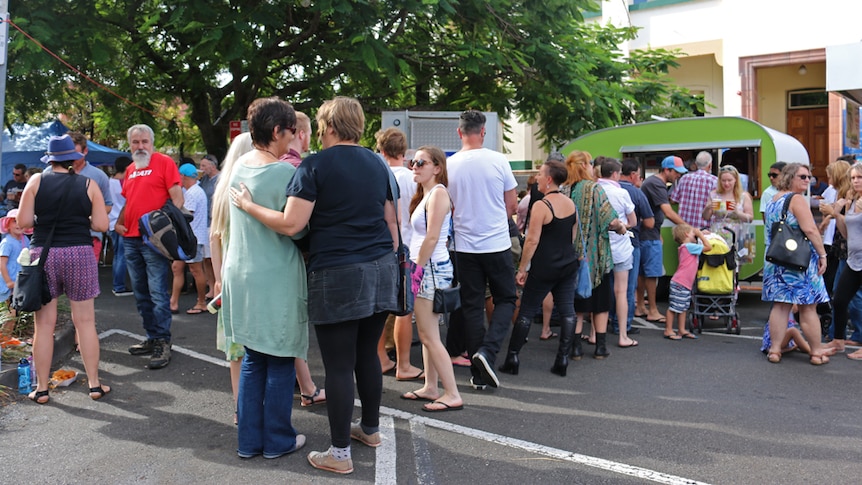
pixel 683 280
pixel 10 247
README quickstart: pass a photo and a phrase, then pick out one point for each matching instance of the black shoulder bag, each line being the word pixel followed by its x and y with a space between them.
pixel 788 246
pixel 31 287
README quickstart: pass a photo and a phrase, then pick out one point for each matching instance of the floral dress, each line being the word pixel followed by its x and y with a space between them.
pixel 781 284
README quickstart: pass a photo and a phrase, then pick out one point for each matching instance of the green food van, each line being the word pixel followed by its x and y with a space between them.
pixel 743 143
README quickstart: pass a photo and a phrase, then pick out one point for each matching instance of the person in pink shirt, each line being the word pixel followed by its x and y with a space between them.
pixel 683 280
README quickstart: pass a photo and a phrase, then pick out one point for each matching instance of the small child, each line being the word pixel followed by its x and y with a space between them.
pixel 10 247
pixel 683 280
pixel 793 339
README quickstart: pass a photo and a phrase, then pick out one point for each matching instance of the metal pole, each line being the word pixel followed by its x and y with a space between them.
pixel 4 41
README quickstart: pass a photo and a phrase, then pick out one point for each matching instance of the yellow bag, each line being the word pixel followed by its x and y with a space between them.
pixel 715 270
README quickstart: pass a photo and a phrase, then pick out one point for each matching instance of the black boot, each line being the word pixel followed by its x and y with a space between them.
pixel 516 341
pixel 577 351
pixel 601 350
pixel 567 334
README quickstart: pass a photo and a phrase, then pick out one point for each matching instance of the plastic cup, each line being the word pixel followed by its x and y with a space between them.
pixel 731 206
pixel 716 204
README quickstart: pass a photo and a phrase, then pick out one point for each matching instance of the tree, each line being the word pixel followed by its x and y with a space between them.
pixel 208 59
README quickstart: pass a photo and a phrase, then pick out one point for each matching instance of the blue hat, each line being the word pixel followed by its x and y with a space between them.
pixel 61 149
pixel 188 170
pixel 674 163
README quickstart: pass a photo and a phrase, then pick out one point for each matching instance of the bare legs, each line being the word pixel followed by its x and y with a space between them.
pixel 809 323
pixel 402 334
pixel 621 283
pixel 437 362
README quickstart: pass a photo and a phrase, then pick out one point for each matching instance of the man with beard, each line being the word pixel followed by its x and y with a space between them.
pixel 152 180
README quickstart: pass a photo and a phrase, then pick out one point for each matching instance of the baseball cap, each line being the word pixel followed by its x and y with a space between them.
pixel 674 163
pixel 188 170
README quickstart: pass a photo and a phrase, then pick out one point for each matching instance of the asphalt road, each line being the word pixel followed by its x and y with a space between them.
pixel 710 410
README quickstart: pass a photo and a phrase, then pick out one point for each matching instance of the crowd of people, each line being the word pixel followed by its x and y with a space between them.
pixel 586 246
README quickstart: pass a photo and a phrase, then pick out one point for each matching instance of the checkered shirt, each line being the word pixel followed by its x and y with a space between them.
pixel 692 195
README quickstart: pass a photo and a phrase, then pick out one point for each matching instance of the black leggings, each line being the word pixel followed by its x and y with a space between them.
pixel 848 284
pixel 349 348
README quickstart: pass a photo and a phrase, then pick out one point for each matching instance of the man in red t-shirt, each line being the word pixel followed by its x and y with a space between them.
pixel 149 183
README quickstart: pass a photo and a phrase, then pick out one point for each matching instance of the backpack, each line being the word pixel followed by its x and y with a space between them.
pixel 168 232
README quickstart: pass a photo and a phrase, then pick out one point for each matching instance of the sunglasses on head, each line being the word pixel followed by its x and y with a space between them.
pixel 418 163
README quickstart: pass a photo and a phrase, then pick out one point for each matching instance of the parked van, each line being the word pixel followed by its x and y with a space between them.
pixel 743 143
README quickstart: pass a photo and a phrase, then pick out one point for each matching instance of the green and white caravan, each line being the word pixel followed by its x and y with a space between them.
pixel 746 144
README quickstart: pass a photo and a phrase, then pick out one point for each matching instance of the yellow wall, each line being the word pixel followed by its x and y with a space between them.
pixel 773 83
pixel 701 74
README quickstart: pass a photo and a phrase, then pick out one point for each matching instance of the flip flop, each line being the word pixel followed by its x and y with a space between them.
pixel 689 335
pixel 195 311
pixel 390 370
pixel 175 312
pixel 633 344
pixel 417 377
pixel 643 315
pixel 445 407
pixel 462 362
pixel 657 320
pixel 549 337
pixel 855 355
pixel 412 396
pixel 673 337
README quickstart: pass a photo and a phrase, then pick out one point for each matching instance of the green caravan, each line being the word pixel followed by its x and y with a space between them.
pixel 743 143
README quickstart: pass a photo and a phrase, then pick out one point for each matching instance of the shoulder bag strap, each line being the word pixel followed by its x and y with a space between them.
pixel 451 231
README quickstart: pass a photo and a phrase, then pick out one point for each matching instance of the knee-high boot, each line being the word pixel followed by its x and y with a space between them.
pixel 567 335
pixel 516 341
pixel 601 349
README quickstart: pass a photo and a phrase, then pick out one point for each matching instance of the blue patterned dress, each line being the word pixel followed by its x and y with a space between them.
pixel 785 285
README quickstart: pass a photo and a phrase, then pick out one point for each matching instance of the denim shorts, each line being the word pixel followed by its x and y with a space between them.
pixel 625 265
pixel 651 259
pixel 353 291
pixel 199 255
pixel 443 275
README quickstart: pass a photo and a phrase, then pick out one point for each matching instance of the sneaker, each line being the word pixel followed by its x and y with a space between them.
pixel 143 348
pixel 123 293
pixel 486 368
pixel 477 385
pixel 372 440
pixel 161 354
pixel 300 442
pixel 323 460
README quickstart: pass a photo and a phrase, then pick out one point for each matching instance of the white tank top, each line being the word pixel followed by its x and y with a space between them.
pixel 417 220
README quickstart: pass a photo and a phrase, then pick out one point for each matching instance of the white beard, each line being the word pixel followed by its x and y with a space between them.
pixel 141 159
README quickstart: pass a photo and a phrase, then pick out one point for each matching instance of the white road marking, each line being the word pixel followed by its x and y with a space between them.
pixel 385 466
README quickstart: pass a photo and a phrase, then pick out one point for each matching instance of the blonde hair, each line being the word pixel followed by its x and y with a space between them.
pixel 680 232
pixel 303 122
pixel 221 196
pixel 839 173
pixel 737 184
pixel 579 167
pixel 344 115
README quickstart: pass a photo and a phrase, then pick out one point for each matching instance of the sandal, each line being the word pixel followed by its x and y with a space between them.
pixel 306 400
pixel 35 396
pixel 99 391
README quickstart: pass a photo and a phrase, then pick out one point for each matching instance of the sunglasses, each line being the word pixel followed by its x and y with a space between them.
pixel 804 177
pixel 17 174
pixel 418 163
pixel 291 129
pixel 773 175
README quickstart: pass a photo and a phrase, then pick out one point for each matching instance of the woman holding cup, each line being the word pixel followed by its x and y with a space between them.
pixel 728 200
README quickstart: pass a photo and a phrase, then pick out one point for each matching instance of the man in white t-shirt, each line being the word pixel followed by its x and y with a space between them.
pixel 483 190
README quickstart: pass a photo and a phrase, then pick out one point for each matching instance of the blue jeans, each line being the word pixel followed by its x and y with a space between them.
pixel 150 274
pixel 630 293
pixel 118 266
pixel 265 403
pixel 854 310
pixel 473 271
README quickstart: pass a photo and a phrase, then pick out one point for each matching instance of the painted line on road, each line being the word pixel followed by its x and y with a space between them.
pixel 385 465
pixel 424 464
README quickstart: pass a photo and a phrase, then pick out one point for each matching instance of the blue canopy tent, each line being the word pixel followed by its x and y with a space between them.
pixel 29 143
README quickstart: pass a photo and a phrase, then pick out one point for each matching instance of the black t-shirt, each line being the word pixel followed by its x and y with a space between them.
pixel 349 186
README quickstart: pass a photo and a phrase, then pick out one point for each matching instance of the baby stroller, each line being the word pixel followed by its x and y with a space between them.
pixel 716 290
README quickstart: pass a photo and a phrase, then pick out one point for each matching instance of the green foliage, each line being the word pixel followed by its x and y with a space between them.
pixel 199 63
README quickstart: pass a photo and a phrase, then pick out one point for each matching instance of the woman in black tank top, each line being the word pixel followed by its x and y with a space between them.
pixel 548 265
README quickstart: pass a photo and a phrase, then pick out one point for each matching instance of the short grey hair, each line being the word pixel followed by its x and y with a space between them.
pixel 703 160
pixel 141 127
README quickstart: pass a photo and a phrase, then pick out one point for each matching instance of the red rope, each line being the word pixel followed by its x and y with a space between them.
pixel 88 78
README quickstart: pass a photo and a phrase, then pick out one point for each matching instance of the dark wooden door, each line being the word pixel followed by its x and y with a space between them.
pixel 811 128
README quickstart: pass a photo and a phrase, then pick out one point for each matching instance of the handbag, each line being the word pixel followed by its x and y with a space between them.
pixel 31 289
pixel 788 246
pixel 584 288
pixel 446 300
